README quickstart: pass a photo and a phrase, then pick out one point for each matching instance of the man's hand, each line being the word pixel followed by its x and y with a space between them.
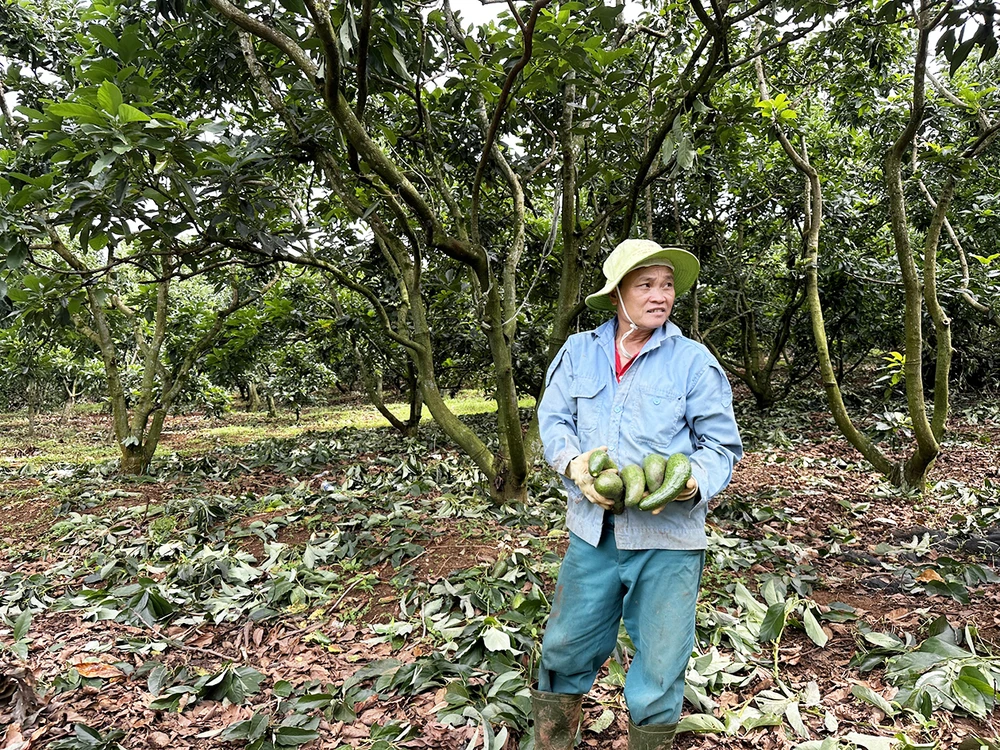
pixel 578 470
pixel 689 491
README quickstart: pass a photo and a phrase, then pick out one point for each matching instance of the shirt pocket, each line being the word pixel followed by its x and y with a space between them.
pixel 659 416
pixel 589 398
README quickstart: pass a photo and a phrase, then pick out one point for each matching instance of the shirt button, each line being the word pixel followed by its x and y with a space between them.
pixel 656 400
pixel 618 410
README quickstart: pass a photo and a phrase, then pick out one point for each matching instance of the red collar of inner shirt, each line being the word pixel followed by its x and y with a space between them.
pixel 620 369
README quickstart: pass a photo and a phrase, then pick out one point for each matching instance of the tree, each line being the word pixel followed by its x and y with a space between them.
pixel 105 181
pixel 918 274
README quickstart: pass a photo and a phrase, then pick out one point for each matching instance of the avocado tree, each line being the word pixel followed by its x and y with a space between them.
pixel 104 199
pixel 738 207
pixel 301 343
pixel 47 361
pixel 932 139
pixel 25 352
pixel 729 207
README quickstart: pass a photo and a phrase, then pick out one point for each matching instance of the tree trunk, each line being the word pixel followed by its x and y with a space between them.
pixel 133 460
pixel 511 468
pixel 500 325
pixel 138 434
pixel 416 400
pixel 254 396
pixel 758 366
pixel 812 209
pixel 455 428
pixel 372 383
pixel 71 396
pixel 31 396
pixel 371 379
pixel 571 270
pixel 915 469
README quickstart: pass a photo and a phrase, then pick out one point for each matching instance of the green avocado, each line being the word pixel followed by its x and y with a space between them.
pixel 635 484
pixel 654 466
pixel 676 475
pixel 609 484
pixel 599 461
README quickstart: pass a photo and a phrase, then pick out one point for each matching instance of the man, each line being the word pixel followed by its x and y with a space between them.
pixel 635 386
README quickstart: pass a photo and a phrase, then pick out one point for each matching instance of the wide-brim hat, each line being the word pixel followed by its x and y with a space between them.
pixel 632 254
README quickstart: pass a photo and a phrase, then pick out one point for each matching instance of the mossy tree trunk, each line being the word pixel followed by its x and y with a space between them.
pixel 32 401
pixel 254 391
pixel 568 304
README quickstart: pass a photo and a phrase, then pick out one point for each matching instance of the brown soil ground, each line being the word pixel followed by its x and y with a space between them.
pixel 819 495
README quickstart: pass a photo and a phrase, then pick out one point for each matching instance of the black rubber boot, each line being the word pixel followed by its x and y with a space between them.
pixel 557 718
pixel 651 737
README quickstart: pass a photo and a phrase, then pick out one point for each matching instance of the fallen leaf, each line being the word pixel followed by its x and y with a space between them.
pixel 13 739
pixel 201 640
pixel 355 731
pixel 99 669
pixel 728 699
pixel 929 574
pixel 837 696
pixel 159 739
pixel 17 690
pixel 372 716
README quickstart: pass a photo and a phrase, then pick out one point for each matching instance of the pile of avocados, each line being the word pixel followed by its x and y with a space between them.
pixel 649 487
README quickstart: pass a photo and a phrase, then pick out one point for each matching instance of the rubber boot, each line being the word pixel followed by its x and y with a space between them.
pixel 651 737
pixel 557 718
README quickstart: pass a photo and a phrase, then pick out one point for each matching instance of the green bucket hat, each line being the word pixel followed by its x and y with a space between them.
pixel 632 254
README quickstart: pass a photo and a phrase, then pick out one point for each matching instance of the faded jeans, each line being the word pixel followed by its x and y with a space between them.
pixel 655 592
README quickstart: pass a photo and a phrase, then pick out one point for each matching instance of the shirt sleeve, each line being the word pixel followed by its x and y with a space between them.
pixel 714 431
pixel 557 414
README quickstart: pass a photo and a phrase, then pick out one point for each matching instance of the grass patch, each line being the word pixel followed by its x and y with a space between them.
pixel 79 438
pixel 84 436
pixel 326 419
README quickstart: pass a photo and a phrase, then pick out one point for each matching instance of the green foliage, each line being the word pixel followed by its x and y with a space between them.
pixel 19 635
pixel 260 734
pixel 298 378
pixel 176 691
pixel 939 674
pixel 86 738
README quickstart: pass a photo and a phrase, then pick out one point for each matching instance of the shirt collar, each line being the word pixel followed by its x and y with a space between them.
pixel 605 333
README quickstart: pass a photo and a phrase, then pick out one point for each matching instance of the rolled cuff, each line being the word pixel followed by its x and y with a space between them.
pixel 701 476
pixel 561 460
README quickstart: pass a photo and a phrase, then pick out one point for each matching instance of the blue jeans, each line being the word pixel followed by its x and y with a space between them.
pixel 655 592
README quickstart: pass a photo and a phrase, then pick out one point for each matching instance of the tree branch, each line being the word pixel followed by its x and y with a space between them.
pixel 527 34
pixel 262 30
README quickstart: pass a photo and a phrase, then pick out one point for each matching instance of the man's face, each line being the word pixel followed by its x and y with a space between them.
pixel 648 294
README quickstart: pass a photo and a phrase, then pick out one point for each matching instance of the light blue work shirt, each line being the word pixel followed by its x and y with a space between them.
pixel 675 398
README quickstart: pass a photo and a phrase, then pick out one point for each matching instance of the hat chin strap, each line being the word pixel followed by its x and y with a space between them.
pixel 632 327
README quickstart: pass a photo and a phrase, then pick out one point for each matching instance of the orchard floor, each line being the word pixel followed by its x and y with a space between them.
pixel 835 515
